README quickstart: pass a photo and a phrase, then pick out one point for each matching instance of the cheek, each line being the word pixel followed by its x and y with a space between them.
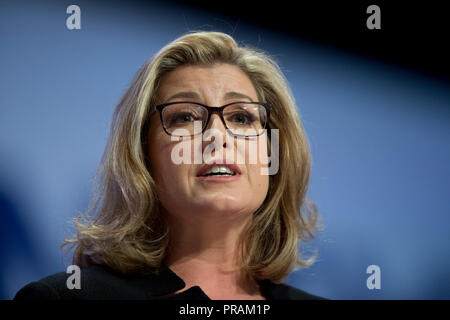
pixel 256 151
pixel 159 155
pixel 251 151
pixel 171 179
pixel 259 181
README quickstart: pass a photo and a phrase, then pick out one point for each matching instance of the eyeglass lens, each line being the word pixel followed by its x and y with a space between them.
pixel 240 118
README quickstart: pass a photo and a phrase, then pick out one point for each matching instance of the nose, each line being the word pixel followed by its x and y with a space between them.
pixel 215 132
pixel 215 122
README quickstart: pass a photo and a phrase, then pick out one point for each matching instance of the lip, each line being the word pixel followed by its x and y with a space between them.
pixel 219 179
pixel 231 166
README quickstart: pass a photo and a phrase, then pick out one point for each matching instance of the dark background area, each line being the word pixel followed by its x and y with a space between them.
pixel 413 35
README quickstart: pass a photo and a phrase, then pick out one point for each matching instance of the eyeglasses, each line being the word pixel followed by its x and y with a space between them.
pixel 240 118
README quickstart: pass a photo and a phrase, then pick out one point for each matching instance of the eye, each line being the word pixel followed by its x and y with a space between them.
pixel 184 117
pixel 241 117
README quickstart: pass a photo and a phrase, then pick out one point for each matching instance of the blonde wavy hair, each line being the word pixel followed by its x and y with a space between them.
pixel 123 228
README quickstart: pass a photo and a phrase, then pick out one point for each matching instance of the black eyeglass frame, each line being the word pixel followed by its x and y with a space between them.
pixel 218 110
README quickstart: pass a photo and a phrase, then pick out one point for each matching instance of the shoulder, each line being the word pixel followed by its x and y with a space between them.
pixel 282 291
pixel 96 282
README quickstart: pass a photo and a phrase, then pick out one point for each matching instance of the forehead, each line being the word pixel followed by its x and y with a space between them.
pixel 206 80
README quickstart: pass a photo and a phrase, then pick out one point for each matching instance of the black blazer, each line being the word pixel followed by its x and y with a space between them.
pixel 99 282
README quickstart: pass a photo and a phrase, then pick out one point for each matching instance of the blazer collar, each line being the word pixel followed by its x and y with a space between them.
pixel 159 284
pixel 165 282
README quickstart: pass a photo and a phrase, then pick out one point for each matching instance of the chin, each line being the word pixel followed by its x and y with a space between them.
pixel 225 208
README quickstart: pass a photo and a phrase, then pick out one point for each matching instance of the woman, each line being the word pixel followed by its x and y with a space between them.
pixel 182 211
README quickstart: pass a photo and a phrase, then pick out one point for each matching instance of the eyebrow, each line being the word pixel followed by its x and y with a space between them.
pixel 237 95
pixel 194 95
pixel 185 95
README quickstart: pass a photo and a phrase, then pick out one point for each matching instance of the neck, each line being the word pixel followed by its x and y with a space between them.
pixel 205 252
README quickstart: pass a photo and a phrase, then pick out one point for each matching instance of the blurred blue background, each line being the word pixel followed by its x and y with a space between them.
pixel 379 136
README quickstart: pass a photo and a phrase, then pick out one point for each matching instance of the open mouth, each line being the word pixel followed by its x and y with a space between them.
pixel 225 170
pixel 218 171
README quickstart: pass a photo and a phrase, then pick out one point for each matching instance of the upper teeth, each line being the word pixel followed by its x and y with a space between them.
pixel 218 169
